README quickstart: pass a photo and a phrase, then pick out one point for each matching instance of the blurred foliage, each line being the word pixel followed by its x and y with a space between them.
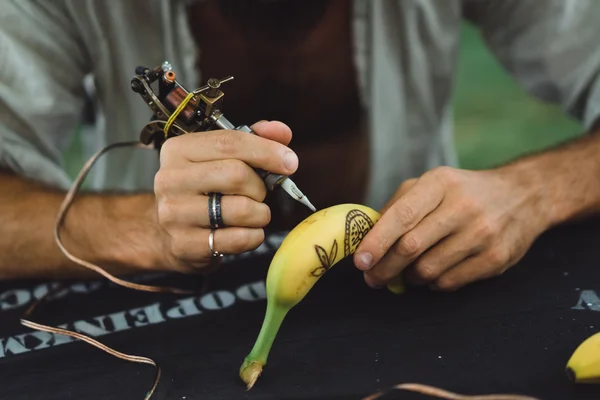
pixel 495 120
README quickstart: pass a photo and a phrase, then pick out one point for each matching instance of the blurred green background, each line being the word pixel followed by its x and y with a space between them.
pixel 495 119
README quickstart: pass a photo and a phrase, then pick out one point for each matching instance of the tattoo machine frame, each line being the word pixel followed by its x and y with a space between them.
pixel 178 111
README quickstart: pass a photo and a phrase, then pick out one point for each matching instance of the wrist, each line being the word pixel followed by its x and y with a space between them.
pixel 531 185
pixel 141 240
pixel 117 231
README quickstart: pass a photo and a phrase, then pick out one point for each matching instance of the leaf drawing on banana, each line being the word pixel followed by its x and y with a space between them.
pixel 326 260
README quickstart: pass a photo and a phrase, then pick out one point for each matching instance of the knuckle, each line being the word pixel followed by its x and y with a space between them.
pixel 248 239
pixel 404 214
pixel 446 175
pixel 167 211
pixel 498 256
pixel 169 150
pixel 470 206
pixel 425 271
pixel 408 246
pixel 242 240
pixel 226 142
pixel 245 209
pixel 238 173
pixel 258 237
pixel 179 246
pixel 261 194
pixel 447 284
pixel 487 229
pixel 265 215
pixel 161 181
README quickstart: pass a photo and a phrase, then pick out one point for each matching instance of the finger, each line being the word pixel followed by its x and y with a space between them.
pixel 191 245
pixel 225 176
pixel 237 211
pixel 442 257
pixel 404 188
pixel 254 150
pixel 433 228
pixel 273 130
pixel 401 217
pixel 472 269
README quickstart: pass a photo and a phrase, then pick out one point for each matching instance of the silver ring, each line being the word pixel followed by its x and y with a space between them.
pixel 211 243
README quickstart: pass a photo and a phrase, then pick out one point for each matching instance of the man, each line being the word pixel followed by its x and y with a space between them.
pixel 365 87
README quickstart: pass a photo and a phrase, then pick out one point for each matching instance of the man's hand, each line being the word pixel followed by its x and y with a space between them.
pixel 196 164
pixel 451 227
pixel 165 231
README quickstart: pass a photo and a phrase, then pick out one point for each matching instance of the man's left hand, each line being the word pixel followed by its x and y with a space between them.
pixel 451 227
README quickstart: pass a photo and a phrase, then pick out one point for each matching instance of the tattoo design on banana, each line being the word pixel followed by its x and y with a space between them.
pixel 326 260
pixel 358 224
pixel 299 263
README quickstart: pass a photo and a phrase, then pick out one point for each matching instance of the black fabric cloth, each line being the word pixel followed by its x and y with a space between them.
pixel 513 333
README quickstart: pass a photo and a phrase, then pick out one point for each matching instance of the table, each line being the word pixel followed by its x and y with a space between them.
pixel 513 333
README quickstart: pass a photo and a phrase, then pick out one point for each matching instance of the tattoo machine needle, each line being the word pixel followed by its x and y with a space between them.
pixel 178 111
pixel 270 179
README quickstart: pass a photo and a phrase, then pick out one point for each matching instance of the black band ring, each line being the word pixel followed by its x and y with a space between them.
pixel 214 210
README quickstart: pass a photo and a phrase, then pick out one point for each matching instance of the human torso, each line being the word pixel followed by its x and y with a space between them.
pixel 308 82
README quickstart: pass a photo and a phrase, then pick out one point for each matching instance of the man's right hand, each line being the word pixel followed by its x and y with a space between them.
pixel 195 164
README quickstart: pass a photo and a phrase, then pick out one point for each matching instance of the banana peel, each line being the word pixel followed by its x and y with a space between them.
pixel 310 249
pixel 583 367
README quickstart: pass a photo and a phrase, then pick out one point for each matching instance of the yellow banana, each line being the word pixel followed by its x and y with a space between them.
pixel 584 364
pixel 308 251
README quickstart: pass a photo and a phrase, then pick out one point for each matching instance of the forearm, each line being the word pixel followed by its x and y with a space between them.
pixel 566 179
pixel 116 232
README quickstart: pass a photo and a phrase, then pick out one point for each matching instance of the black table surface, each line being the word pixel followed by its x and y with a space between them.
pixel 511 334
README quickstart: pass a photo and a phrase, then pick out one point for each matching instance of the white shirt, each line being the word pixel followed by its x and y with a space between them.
pixel 405 52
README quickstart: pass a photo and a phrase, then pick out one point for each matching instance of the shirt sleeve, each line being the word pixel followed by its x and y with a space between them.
pixel 551 47
pixel 42 66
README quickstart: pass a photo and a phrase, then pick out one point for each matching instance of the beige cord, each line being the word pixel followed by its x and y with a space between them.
pixel 444 394
pixel 50 329
pixel 64 208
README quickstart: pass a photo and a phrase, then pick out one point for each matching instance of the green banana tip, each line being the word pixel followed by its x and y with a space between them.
pixel 250 371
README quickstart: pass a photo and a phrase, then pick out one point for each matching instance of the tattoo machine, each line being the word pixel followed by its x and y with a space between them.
pixel 178 111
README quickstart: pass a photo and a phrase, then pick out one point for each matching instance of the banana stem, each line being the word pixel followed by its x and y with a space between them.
pixel 257 358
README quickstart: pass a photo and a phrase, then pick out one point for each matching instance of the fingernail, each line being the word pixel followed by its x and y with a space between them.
pixel 371 284
pixel 290 160
pixel 364 260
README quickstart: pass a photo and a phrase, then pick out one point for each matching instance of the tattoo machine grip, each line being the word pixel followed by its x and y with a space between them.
pixel 271 180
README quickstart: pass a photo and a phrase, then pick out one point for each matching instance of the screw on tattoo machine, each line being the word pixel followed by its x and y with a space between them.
pixel 178 111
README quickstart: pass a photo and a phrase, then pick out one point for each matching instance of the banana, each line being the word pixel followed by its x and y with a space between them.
pixel 308 251
pixel 584 364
